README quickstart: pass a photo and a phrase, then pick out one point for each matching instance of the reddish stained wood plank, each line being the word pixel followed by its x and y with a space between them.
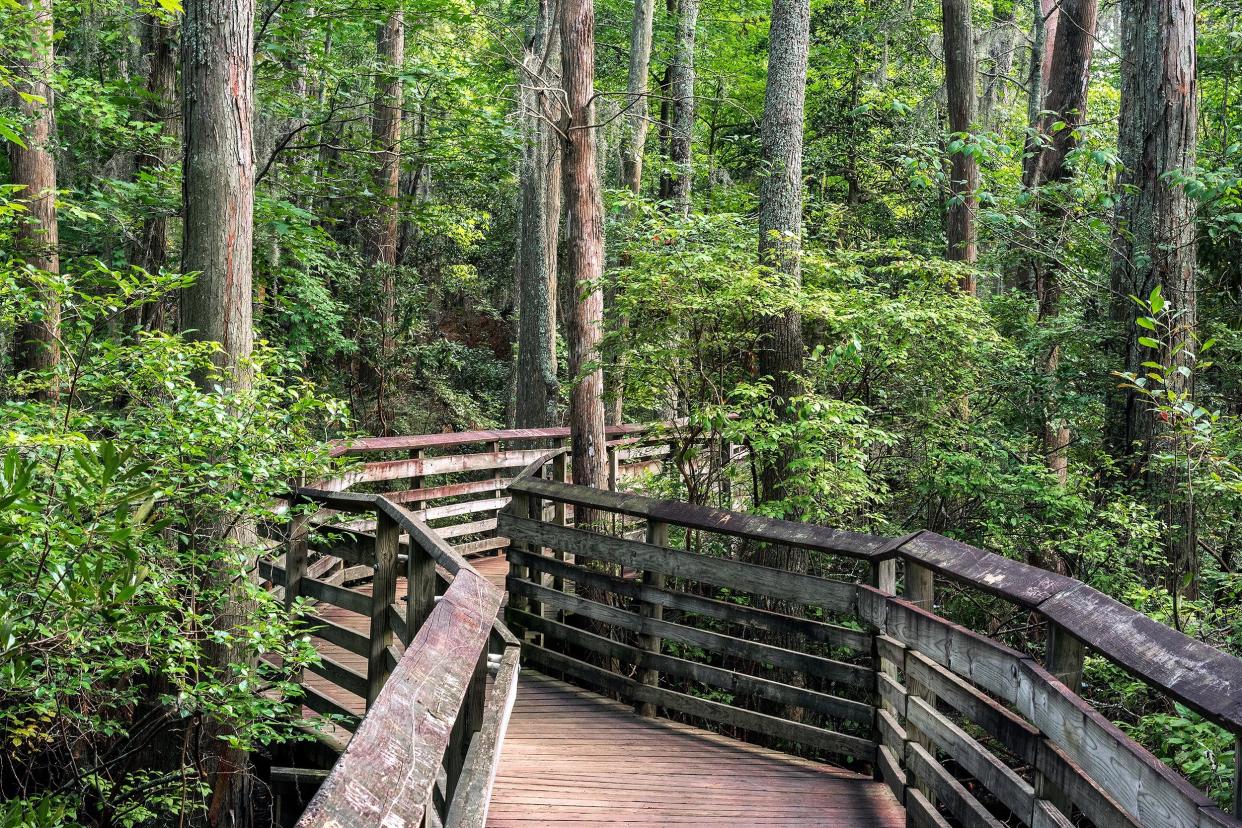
pixel 574 758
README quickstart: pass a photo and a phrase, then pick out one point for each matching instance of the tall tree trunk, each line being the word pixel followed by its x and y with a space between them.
pixel 665 189
pixel 680 141
pixel 384 233
pixel 959 77
pixel 218 109
pixel 537 387
pixel 584 244
pixel 1064 102
pixel 34 168
pixel 635 137
pixel 1000 62
pixel 150 250
pixel 780 218
pixel 1154 243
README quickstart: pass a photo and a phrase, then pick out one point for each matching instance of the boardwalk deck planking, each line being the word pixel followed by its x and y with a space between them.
pixel 572 757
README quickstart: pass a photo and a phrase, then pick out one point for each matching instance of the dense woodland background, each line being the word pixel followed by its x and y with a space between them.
pixel 966 266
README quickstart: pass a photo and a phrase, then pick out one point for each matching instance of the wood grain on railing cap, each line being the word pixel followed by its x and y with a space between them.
pixel 752 527
pixel 1196 674
pixel 389 769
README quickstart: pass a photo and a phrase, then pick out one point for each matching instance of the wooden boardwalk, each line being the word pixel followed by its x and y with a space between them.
pixel 573 758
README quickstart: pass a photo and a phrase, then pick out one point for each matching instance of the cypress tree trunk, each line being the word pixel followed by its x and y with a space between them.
pixel 218 110
pixel 150 250
pixel 37 346
pixel 683 92
pixel 537 388
pixel 584 245
pixel 635 137
pixel 384 231
pixel 1065 101
pixel 780 214
pixel 959 77
pixel 1154 243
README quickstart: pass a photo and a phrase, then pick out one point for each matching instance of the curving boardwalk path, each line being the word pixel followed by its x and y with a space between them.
pixel 574 758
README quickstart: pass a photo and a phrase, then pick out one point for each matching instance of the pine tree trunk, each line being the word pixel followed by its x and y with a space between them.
pixel 584 245
pixel 1154 243
pixel 681 138
pixel 780 213
pixel 37 346
pixel 537 388
pixel 218 110
pixel 959 75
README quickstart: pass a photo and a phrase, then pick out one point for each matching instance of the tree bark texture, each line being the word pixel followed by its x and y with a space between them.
pixel 959 76
pixel 681 138
pixel 34 168
pixel 584 244
pixel 217 59
pixel 1154 242
pixel 149 250
pixel 780 209
pixel 218 188
pixel 383 234
pixel 537 388
pixel 634 138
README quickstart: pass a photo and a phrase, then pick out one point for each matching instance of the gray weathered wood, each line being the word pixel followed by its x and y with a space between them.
pixel 948 791
pixel 383 594
pixel 993 774
pixel 833 596
pixel 657 535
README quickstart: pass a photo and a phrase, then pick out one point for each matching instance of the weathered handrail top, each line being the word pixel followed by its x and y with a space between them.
pixel 1196 674
pixel 709 518
pixel 365 445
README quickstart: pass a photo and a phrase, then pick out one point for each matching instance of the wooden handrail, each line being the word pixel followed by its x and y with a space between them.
pixel 367 445
pixel 1203 678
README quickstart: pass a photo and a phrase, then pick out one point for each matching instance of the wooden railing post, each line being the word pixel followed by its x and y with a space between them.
pixel 1237 775
pixel 1065 656
pixel 614 467
pixel 657 535
pixel 416 482
pixel 920 586
pixel 420 588
pixel 383 594
pixel 295 557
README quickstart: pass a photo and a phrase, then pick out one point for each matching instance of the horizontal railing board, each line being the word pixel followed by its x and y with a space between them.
pixel 482 545
pixel 366 445
pixel 891 771
pixel 814 737
pixel 458 530
pixel 340 675
pixel 1010 789
pixel 728 680
pixel 343 637
pixel 391 765
pixel 921 813
pixel 707 518
pixel 1021 583
pixel 948 791
pixel 325 706
pixel 469 487
pixel 828 669
pixel 720 610
pixel 427 466
pixel 338 596
pixel 833 596
pixel 1137 780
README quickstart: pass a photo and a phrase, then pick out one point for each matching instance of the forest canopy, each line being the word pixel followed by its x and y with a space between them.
pixel 962 265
